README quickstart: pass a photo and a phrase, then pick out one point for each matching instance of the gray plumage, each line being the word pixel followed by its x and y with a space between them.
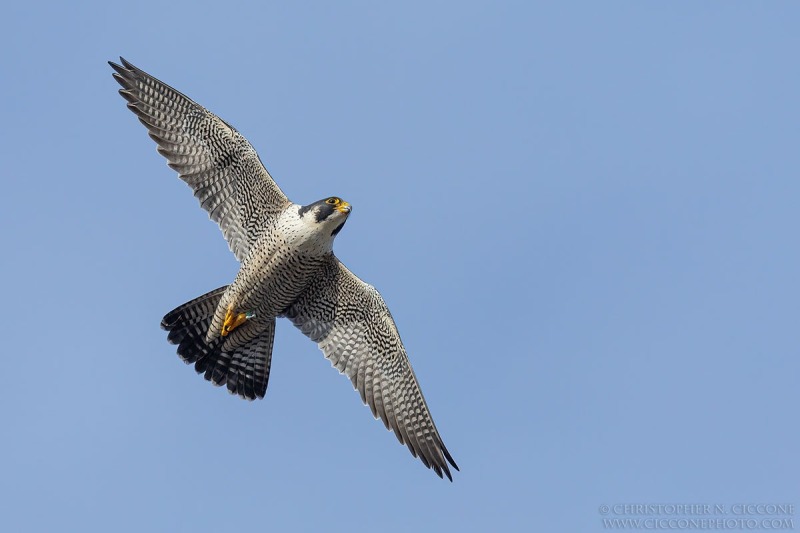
pixel 288 269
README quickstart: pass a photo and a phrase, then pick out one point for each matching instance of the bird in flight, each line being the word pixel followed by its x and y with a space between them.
pixel 288 269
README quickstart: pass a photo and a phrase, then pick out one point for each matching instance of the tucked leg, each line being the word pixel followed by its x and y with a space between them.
pixel 233 320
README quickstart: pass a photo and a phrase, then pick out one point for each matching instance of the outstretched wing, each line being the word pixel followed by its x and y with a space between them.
pixel 350 322
pixel 214 159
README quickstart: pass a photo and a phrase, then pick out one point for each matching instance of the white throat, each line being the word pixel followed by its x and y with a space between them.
pixel 304 233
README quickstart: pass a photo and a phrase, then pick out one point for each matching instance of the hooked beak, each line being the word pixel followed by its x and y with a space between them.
pixel 344 207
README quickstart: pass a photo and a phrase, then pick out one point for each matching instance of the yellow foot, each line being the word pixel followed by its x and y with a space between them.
pixel 234 320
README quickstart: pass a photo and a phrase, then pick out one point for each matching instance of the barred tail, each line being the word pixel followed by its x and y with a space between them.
pixel 244 369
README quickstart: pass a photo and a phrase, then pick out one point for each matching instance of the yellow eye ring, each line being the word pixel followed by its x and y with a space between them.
pixel 332 201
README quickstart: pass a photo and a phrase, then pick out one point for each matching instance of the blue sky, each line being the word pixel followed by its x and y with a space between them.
pixel 583 216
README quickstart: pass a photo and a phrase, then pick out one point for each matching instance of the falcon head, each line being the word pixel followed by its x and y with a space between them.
pixel 331 213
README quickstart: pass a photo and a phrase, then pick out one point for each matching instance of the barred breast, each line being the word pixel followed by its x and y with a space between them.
pixel 281 264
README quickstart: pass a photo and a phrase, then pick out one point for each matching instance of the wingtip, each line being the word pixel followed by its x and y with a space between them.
pixel 449 476
pixel 442 471
pixel 447 456
pixel 117 66
pixel 451 460
pixel 126 67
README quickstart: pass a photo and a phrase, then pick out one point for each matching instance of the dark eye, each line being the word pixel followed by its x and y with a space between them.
pixel 332 201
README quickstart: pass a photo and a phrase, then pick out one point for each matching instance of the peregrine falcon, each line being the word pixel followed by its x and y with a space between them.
pixel 288 269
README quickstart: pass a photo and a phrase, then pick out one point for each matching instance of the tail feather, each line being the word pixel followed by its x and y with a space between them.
pixel 250 365
pixel 245 369
pixel 187 326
